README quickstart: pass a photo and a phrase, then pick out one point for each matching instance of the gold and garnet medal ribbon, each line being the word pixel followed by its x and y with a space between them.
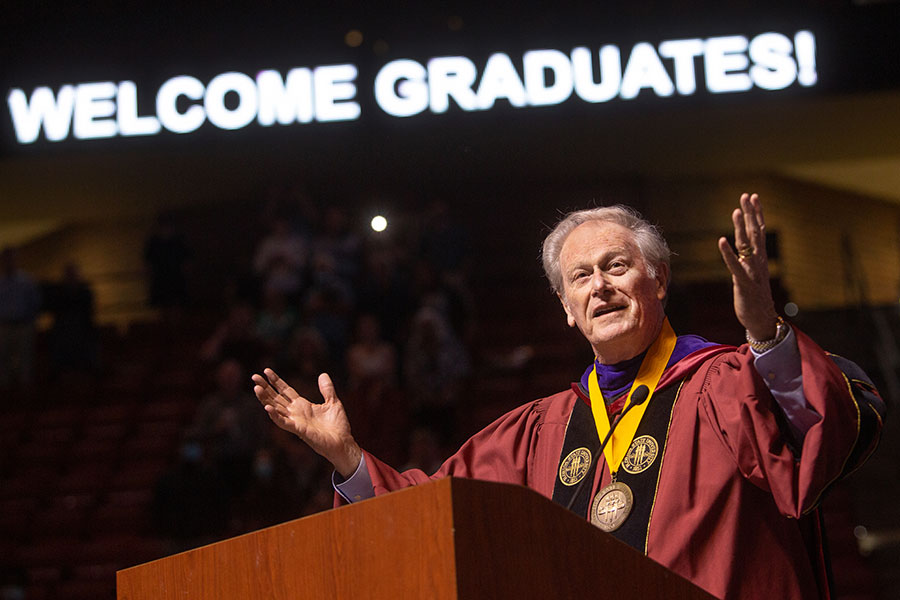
pixel 613 504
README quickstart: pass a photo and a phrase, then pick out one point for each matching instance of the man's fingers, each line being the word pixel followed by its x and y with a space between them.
pixel 730 258
pixel 326 387
pixel 265 393
pixel 741 240
pixel 281 385
pixel 753 222
pixel 277 382
pixel 278 418
pixel 757 205
pixel 759 225
pixel 749 214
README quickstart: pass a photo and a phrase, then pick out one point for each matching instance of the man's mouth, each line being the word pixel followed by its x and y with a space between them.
pixel 605 310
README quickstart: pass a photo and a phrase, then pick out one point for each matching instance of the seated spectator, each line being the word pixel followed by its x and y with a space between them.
pixel 308 357
pixel 284 477
pixel 447 293
pixel 424 451
pixel 235 338
pixel 328 311
pixel 229 426
pixel 167 254
pixel 444 241
pixel 339 244
pixel 371 361
pixel 20 301
pixel 73 336
pixel 191 501
pixel 376 404
pixel 435 368
pixel 275 323
pixel 385 289
pixel 280 260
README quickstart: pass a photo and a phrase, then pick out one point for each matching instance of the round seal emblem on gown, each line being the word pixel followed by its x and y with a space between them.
pixel 640 455
pixel 575 466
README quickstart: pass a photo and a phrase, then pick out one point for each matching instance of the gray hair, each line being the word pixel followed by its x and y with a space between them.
pixel 648 238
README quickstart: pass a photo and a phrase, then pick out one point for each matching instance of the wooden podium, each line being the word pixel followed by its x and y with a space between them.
pixel 453 538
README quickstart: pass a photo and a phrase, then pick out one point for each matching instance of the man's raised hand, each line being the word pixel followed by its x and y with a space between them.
pixel 753 304
pixel 324 426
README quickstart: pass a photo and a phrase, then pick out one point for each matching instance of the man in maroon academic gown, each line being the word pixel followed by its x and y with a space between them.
pixel 733 452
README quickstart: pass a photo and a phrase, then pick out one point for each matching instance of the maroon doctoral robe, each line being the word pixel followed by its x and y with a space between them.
pixel 735 503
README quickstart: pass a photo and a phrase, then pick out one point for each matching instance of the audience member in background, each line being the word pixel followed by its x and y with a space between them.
pixel 448 293
pixel 328 310
pixel 275 323
pixel 235 337
pixel 281 483
pixel 167 254
pixel 435 367
pixel 308 353
pixel 191 501
pixel 376 403
pixel 73 337
pixel 13 580
pixel 424 451
pixel 371 361
pixel 444 243
pixel 385 289
pixel 228 426
pixel 339 243
pixel 280 260
pixel 20 301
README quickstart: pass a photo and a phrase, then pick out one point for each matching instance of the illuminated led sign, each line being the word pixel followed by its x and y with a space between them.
pixel 405 87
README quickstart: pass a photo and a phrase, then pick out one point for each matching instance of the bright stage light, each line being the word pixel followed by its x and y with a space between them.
pixel 379 223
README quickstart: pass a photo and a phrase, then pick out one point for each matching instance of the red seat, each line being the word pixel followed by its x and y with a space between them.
pixel 85 478
pixel 148 446
pixel 124 511
pixel 31 481
pixel 139 475
pixel 171 409
pixel 105 430
pixel 124 549
pixel 55 552
pixel 39 454
pixel 15 520
pixel 94 450
pixel 40 591
pixel 63 416
pixel 86 589
pixel 59 521
pixel 120 519
pixel 53 435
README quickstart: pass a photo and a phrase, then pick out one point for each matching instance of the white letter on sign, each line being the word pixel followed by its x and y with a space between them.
pixel 54 113
pixel 167 98
pixel 401 89
pixel 537 63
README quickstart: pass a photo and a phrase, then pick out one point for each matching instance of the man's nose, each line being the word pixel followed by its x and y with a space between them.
pixel 599 283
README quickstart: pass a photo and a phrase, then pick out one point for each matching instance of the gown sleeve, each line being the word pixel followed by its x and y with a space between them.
pixel 747 420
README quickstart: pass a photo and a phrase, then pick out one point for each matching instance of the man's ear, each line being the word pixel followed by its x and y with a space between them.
pixel 569 318
pixel 662 281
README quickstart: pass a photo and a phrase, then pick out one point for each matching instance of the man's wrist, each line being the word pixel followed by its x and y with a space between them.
pixel 347 464
pixel 769 342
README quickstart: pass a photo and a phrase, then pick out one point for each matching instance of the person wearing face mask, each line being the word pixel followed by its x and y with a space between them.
pixel 718 475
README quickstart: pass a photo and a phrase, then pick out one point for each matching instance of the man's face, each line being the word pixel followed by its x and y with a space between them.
pixel 607 292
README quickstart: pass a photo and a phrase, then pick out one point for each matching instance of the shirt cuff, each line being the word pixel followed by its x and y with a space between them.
pixel 356 487
pixel 781 369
